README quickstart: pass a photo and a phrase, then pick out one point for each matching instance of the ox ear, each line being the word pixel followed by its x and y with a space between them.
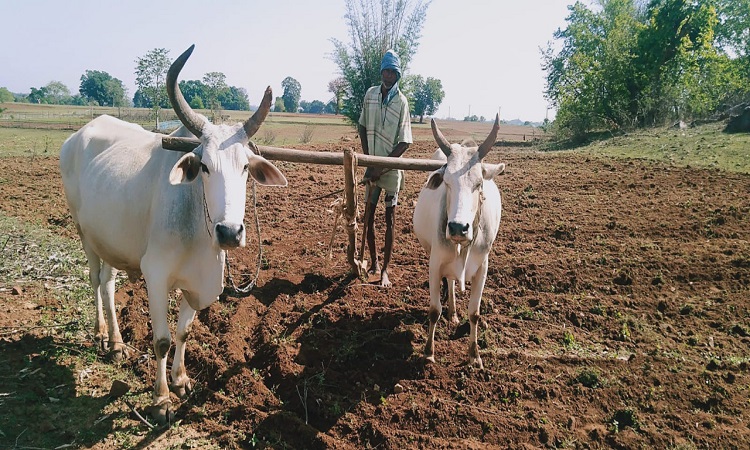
pixel 264 172
pixel 489 171
pixel 186 169
pixel 435 179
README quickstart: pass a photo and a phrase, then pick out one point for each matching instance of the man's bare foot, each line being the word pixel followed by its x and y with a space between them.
pixel 384 281
pixel 375 268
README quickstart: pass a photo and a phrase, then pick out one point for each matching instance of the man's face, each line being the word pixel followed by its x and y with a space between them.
pixel 390 77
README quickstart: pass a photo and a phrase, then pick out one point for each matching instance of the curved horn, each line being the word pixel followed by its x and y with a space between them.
pixel 445 146
pixel 188 117
pixel 490 141
pixel 253 123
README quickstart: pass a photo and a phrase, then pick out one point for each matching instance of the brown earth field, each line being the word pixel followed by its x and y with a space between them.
pixel 615 315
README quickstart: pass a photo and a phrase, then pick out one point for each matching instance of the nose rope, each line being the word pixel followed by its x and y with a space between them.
pixel 206 215
pixel 231 288
pixel 477 217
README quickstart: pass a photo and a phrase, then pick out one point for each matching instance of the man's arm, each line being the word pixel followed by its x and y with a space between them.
pixel 363 139
pixel 399 149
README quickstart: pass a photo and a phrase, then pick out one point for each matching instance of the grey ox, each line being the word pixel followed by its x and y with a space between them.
pixel 456 220
pixel 170 216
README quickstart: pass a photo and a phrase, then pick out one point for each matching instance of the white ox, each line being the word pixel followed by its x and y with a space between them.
pixel 167 215
pixel 456 220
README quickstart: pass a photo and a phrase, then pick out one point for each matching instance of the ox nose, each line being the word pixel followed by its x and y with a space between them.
pixel 458 230
pixel 229 235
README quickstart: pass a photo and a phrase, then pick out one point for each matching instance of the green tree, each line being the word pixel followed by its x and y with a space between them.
pixel 151 78
pixel 733 36
pixel 733 29
pixel 374 28
pixel 292 94
pixel 77 100
pixel 338 87
pixel 235 99
pixel 38 95
pixel 5 95
pixel 591 79
pixel 313 107
pixel 58 93
pixel 426 96
pixel 278 105
pixel 101 88
pixel 192 90
pixel 197 103
pixel 679 63
pixel 216 84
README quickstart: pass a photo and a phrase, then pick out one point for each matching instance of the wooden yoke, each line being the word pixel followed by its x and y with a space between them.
pixel 314 157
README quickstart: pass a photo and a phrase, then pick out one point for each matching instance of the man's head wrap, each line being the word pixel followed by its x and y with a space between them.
pixel 391 61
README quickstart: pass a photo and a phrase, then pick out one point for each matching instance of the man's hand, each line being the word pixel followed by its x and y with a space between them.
pixel 372 174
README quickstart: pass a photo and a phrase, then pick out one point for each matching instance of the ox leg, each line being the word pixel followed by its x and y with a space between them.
pixel 181 384
pixel 158 305
pixel 450 287
pixel 434 311
pixel 117 348
pixel 477 287
pixel 100 325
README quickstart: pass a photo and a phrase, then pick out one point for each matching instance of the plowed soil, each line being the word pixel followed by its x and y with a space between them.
pixel 615 315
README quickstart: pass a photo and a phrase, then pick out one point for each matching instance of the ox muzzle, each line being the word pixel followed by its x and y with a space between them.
pixel 230 235
pixel 459 233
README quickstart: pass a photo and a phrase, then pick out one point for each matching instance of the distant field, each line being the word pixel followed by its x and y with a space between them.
pixel 705 146
pixel 31 142
pixel 279 129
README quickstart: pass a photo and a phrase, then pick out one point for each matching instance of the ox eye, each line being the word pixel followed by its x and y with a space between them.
pixel 246 168
pixel 204 168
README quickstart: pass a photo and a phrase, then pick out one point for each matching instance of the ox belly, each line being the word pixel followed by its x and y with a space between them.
pixel 456 265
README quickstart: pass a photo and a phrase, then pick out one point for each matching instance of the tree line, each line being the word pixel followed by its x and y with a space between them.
pixel 624 64
pixel 375 27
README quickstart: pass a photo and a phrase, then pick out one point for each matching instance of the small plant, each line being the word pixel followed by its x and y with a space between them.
pixel 307 134
pixel 598 309
pixel 624 332
pixel 524 314
pixel 589 378
pixel 269 137
pixel 568 340
pixel 624 418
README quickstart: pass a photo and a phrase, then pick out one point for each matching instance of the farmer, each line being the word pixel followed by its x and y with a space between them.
pixel 385 130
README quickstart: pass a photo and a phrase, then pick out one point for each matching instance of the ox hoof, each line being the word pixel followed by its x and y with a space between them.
pixel 182 389
pixel 162 413
pixel 117 353
pixel 100 340
pixel 476 362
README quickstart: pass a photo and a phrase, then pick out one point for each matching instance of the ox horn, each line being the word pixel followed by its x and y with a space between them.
pixel 188 117
pixel 490 141
pixel 253 123
pixel 445 146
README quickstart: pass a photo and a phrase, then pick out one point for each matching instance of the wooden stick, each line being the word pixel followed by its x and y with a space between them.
pixel 313 157
pixel 350 208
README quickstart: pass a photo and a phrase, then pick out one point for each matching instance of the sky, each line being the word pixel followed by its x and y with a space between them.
pixel 486 53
